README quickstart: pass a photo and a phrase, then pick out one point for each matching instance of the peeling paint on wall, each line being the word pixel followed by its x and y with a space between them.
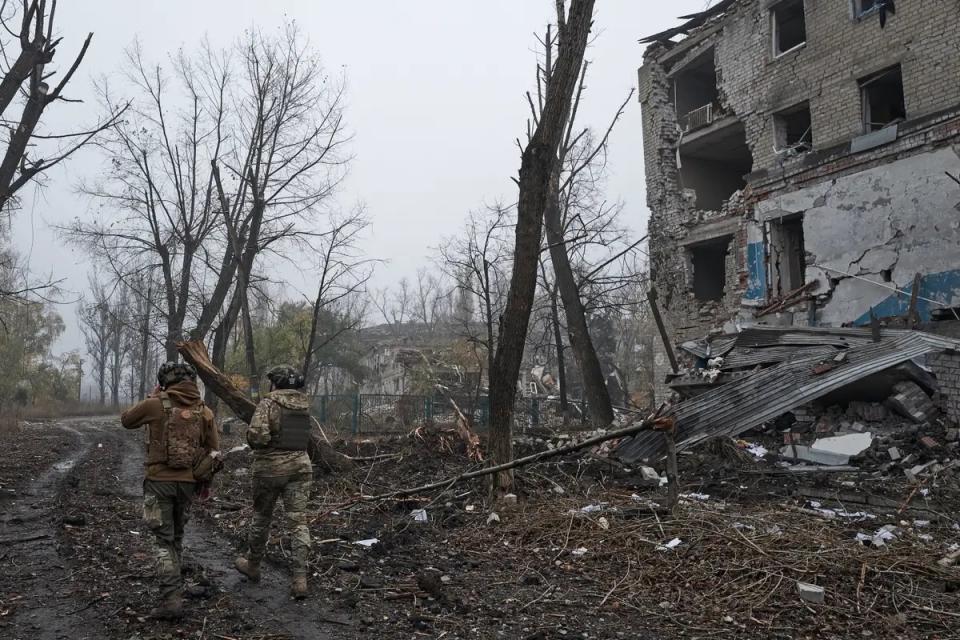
pixel 757 272
pixel 944 287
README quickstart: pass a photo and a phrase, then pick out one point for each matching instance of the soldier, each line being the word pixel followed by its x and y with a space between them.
pixel 180 433
pixel 279 434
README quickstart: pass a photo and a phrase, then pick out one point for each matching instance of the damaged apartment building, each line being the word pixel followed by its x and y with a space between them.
pixel 802 162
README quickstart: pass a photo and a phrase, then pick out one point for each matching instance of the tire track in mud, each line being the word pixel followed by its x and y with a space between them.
pixel 43 603
pixel 34 574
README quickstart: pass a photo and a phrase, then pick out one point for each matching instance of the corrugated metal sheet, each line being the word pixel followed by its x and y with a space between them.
pixel 746 357
pixel 762 396
pixel 712 348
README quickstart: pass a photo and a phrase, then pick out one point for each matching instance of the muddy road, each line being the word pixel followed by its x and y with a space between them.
pixel 77 562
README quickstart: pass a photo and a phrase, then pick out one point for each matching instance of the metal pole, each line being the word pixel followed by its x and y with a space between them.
pixel 355 418
pixel 652 298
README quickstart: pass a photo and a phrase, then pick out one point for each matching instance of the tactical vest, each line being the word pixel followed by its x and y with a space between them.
pixel 183 434
pixel 293 432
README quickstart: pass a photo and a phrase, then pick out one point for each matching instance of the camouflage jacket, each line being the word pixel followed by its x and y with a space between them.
pixel 267 461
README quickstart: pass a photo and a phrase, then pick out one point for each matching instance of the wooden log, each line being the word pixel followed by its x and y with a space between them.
pixel 322 455
pixel 195 352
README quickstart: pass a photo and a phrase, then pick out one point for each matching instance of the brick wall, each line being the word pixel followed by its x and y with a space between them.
pixel 946 366
pixel 923 37
pixel 840 49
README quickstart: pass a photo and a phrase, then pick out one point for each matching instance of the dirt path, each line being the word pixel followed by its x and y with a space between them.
pixel 77 564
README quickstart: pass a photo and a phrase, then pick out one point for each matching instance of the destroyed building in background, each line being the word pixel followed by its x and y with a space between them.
pixel 800 166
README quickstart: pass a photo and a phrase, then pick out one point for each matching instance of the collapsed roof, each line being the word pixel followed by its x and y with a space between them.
pixel 693 21
pixel 806 364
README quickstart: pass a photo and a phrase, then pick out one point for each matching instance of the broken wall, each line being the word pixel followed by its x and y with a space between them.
pixel 898 211
pixel 870 232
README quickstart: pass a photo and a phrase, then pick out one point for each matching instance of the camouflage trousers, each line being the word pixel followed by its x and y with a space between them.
pixel 295 491
pixel 166 511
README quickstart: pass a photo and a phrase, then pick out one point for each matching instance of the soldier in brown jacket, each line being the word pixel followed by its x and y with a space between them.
pixel 180 432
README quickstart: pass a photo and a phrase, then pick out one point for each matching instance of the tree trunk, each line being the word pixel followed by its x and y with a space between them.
pixel 536 167
pixel 250 347
pixel 558 343
pixel 594 384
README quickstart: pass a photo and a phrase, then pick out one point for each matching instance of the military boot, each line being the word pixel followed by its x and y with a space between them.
pixel 298 588
pixel 170 608
pixel 249 568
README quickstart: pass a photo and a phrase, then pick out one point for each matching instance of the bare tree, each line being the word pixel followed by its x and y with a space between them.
pixel 32 24
pixel 394 304
pixel 537 165
pixel 576 156
pixel 227 158
pixel 96 323
pixel 344 274
pixel 478 260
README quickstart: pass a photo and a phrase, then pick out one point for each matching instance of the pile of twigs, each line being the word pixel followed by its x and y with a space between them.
pixel 736 569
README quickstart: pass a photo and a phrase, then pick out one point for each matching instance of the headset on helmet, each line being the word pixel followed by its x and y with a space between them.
pixel 285 377
pixel 173 372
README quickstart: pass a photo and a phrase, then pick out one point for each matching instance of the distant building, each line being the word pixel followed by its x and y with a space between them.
pixel 394 356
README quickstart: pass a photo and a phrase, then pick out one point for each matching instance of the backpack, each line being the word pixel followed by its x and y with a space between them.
pixel 184 433
pixel 293 432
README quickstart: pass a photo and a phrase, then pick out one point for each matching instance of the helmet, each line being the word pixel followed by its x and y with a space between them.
pixel 283 376
pixel 173 372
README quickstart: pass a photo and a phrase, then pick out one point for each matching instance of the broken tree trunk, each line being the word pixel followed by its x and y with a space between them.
pixel 536 165
pixel 194 352
pixel 632 429
pixel 594 383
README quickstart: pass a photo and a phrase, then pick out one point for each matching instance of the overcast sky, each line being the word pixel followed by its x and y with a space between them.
pixel 435 101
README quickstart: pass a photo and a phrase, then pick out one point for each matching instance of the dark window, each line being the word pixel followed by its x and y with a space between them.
pixel 883 102
pixel 709 261
pixel 863 7
pixel 789 26
pixel 695 93
pixel 794 129
pixel 788 255
pixel 713 165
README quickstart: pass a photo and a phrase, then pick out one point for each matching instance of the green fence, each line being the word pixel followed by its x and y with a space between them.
pixel 383 413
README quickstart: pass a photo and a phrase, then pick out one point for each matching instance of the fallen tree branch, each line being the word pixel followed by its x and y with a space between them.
pixel 195 352
pixel 634 428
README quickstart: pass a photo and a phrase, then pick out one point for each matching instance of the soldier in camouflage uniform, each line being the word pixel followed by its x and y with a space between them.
pixel 278 434
pixel 180 431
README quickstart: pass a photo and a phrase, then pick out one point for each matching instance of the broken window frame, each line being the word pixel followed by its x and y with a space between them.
pixel 775 27
pixel 786 255
pixel 804 144
pixel 711 245
pixel 860 12
pixel 866 109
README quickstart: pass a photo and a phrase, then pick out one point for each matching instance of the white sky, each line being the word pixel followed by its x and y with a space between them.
pixel 435 100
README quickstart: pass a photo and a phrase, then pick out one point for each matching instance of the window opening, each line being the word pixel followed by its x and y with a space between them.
pixel 696 96
pixel 863 7
pixel 713 165
pixel 882 95
pixel 709 261
pixel 788 255
pixel 789 26
pixel 794 129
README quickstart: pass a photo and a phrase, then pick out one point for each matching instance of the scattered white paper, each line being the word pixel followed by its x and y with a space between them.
pixel 419 515
pixel 673 544
pixel 579 551
pixel 758 450
pixel 367 543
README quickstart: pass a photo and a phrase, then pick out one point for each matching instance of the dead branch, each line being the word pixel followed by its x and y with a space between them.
pixel 634 428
